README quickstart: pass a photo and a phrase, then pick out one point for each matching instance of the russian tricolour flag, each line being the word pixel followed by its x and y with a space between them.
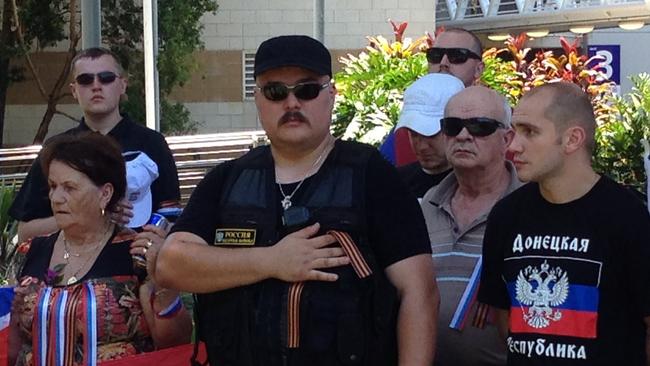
pixel 397 148
pixel 6 296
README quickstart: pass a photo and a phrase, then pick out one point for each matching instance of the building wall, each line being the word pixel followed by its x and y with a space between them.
pixel 635 50
pixel 242 25
pixel 245 24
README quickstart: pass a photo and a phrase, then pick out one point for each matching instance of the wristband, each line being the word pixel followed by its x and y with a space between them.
pixel 171 310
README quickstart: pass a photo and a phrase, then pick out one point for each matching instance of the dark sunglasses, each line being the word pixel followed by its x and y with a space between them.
pixel 104 77
pixel 454 55
pixel 276 91
pixel 477 126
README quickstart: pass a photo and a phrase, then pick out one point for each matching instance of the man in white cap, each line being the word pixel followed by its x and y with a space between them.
pixel 424 105
pixel 477 132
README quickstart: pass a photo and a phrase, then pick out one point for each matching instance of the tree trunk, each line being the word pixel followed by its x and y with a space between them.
pixel 4 85
pixel 56 93
pixel 6 42
pixel 45 123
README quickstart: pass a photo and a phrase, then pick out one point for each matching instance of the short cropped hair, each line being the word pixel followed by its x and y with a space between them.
pixel 95 53
pixel 507 113
pixel 477 46
pixel 97 156
pixel 568 105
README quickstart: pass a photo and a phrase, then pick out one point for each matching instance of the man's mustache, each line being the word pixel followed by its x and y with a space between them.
pixel 292 116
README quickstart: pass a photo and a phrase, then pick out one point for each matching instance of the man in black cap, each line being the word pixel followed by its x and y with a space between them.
pixel 309 251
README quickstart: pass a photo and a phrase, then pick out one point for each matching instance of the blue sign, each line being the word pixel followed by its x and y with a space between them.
pixel 610 64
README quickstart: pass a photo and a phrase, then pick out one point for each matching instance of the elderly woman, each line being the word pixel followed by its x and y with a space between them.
pixel 79 298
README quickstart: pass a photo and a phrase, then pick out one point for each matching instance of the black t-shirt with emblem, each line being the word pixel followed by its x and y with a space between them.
pixel 575 277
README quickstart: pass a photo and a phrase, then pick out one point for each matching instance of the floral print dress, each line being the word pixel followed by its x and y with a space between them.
pixel 96 319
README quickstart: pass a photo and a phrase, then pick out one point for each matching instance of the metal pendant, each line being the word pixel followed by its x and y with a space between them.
pixel 72 280
pixel 66 255
pixel 286 202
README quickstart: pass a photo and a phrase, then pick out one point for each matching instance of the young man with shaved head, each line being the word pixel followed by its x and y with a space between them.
pixel 566 256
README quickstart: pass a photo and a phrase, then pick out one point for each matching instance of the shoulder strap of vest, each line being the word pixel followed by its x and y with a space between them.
pixel 256 158
pixel 352 153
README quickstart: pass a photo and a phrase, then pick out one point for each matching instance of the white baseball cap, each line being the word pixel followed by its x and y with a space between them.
pixel 425 100
pixel 141 171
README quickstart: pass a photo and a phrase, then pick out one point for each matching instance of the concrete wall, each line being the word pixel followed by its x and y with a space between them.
pixel 635 50
pixel 245 24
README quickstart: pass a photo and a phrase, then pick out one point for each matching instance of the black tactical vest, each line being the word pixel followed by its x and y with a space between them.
pixel 348 322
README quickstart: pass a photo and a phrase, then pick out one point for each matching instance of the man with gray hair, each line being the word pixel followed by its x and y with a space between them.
pixel 477 132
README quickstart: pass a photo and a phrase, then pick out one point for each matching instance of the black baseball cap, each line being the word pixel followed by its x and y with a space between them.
pixel 294 50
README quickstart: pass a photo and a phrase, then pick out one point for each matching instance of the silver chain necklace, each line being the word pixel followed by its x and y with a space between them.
pixel 67 254
pixel 286 199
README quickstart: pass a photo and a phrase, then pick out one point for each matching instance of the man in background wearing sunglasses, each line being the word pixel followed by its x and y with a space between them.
pixel 565 258
pixel 476 127
pixel 457 51
pixel 309 251
pixel 98 83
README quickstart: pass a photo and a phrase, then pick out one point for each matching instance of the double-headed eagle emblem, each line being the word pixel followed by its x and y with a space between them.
pixel 542 289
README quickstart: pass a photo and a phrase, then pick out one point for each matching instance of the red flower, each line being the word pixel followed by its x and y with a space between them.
pixel 398 29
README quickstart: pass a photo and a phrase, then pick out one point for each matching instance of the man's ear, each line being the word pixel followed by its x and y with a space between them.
pixel 73 90
pixel 333 91
pixel 125 83
pixel 508 137
pixel 479 70
pixel 573 139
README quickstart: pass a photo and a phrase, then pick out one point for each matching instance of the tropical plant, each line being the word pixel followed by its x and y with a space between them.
pixel 514 78
pixel 619 150
pixel 8 227
pixel 179 32
pixel 370 86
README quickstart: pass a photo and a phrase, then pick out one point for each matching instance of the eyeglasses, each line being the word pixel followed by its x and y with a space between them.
pixel 454 55
pixel 477 126
pixel 105 77
pixel 276 91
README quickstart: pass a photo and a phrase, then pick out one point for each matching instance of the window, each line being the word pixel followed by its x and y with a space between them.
pixel 247 74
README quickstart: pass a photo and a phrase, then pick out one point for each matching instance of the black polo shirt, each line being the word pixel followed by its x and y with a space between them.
pixel 32 201
pixel 417 180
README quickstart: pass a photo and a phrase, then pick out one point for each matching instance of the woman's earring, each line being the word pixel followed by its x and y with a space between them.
pixel 103 212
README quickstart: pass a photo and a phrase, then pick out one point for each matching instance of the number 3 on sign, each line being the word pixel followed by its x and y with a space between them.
pixel 606 65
